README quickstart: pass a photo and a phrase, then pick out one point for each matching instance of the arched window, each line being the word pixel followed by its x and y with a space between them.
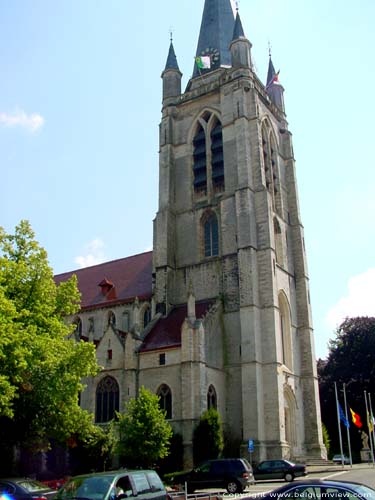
pixel 217 158
pixel 111 318
pixel 165 400
pixel 146 316
pixel 107 400
pixel 278 236
pixel 199 165
pixel 211 236
pixel 211 398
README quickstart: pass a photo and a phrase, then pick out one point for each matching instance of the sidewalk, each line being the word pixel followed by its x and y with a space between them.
pixel 331 467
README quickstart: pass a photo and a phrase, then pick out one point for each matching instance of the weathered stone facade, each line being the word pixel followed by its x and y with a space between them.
pixel 252 338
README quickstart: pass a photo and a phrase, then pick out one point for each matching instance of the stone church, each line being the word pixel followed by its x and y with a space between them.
pixel 218 315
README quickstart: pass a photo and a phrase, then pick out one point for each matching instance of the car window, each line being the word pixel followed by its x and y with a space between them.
pixel 140 481
pixel 264 465
pixel 308 493
pixel 94 488
pixel 123 486
pixel 338 493
pixel 155 481
pixel 219 467
pixel 204 467
pixel 6 488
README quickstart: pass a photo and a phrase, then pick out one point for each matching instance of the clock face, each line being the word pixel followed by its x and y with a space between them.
pixel 214 56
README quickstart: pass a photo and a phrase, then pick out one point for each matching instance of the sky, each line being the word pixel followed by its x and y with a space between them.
pixel 80 105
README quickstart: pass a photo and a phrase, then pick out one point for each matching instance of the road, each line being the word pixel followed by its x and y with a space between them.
pixel 360 473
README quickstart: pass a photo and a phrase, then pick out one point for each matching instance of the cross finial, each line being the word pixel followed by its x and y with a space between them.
pixel 171 33
pixel 269 48
pixel 237 5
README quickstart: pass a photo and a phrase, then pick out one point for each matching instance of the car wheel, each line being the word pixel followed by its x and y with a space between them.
pixel 234 487
pixel 288 477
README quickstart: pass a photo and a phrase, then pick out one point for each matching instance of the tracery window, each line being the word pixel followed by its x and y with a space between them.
pixel 146 316
pixel 165 400
pixel 111 318
pixel 208 156
pixel 211 236
pixel 107 400
pixel 211 398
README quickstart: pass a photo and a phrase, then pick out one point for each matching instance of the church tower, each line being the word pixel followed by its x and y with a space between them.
pixel 228 231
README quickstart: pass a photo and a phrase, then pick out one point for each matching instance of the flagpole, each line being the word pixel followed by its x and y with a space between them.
pixel 338 423
pixel 369 431
pixel 372 418
pixel 347 429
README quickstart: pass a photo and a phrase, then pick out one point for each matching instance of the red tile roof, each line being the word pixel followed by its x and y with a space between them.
pixel 167 331
pixel 131 277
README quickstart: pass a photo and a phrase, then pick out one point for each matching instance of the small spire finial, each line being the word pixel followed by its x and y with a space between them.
pixel 171 33
pixel 237 5
pixel 269 48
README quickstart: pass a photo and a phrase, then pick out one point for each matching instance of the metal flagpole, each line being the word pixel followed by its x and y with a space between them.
pixel 338 423
pixel 372 419
pixel 347 429
pixel 367 416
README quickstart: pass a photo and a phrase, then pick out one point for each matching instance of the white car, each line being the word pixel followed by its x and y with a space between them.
pixel 341 459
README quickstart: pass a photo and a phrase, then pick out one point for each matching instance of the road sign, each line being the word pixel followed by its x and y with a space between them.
pixel 250 445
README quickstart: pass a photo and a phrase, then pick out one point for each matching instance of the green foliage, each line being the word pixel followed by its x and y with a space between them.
pixel 351 361
pixel 326 438
pixel 93 451
pixel 40 367
pixel 144 434
pixel 208 441
pixel 175 460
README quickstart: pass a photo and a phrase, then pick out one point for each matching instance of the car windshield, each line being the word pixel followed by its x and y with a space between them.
pixel 93 488
pixel 32 486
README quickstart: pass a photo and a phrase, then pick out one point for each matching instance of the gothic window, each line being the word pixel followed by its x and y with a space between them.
pixel 125 322
pixel 146 316
pixel 211 398
pixel 107 400
pixel 211 236
pixel 165 400
pixel 199 166
pixel 217 158
pixel 111 319
pixel 278 236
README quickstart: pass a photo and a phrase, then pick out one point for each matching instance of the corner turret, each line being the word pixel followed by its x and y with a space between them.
pixel 274 88
pixel 240 46
pixel 171 76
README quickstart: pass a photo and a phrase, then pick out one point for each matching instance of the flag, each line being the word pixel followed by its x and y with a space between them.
pixel 370 422
pixel 203 62
pixel 343 419
pixel 275 79
pixel 356 418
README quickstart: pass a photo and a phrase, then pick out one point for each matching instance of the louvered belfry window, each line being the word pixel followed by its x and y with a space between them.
pixel 217 158
pixel 200 165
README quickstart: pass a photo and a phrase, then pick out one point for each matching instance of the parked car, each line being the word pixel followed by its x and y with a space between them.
pixel 307 489
pixel 278 469
pixel 25 489
pixel 339 459
pixel 233 474
pixel 114 485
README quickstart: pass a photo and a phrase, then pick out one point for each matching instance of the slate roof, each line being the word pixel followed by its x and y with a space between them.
pixel 171 59
pixel 131 277
pixel 167 331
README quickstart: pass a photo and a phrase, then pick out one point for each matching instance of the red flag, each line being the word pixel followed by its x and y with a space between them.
pixel 356 418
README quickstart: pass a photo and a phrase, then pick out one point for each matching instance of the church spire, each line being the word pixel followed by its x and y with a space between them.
pixel 215 35
pixel 171 75
pixel 171 59
pixel 240 46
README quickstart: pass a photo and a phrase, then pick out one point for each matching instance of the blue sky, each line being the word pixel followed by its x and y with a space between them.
pixel 80 101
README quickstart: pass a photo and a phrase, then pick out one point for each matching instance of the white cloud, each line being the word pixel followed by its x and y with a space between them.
pixel 359 300
pixel 93 254
pixel 31 122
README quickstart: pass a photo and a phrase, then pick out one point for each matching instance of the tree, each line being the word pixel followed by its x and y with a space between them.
pixel 351 361
pixel 208 441
pixel 144 433
pixel 41 367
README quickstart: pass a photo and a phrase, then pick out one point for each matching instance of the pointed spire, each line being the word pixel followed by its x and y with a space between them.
pixel 238 31
pixel 171 59
pixel 273 87
pixel 215 34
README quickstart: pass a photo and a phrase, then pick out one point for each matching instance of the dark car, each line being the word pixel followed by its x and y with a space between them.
pixel 233 474
pixel 24 489
pixel 310 489
pixel 114 485
pixel 278 469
